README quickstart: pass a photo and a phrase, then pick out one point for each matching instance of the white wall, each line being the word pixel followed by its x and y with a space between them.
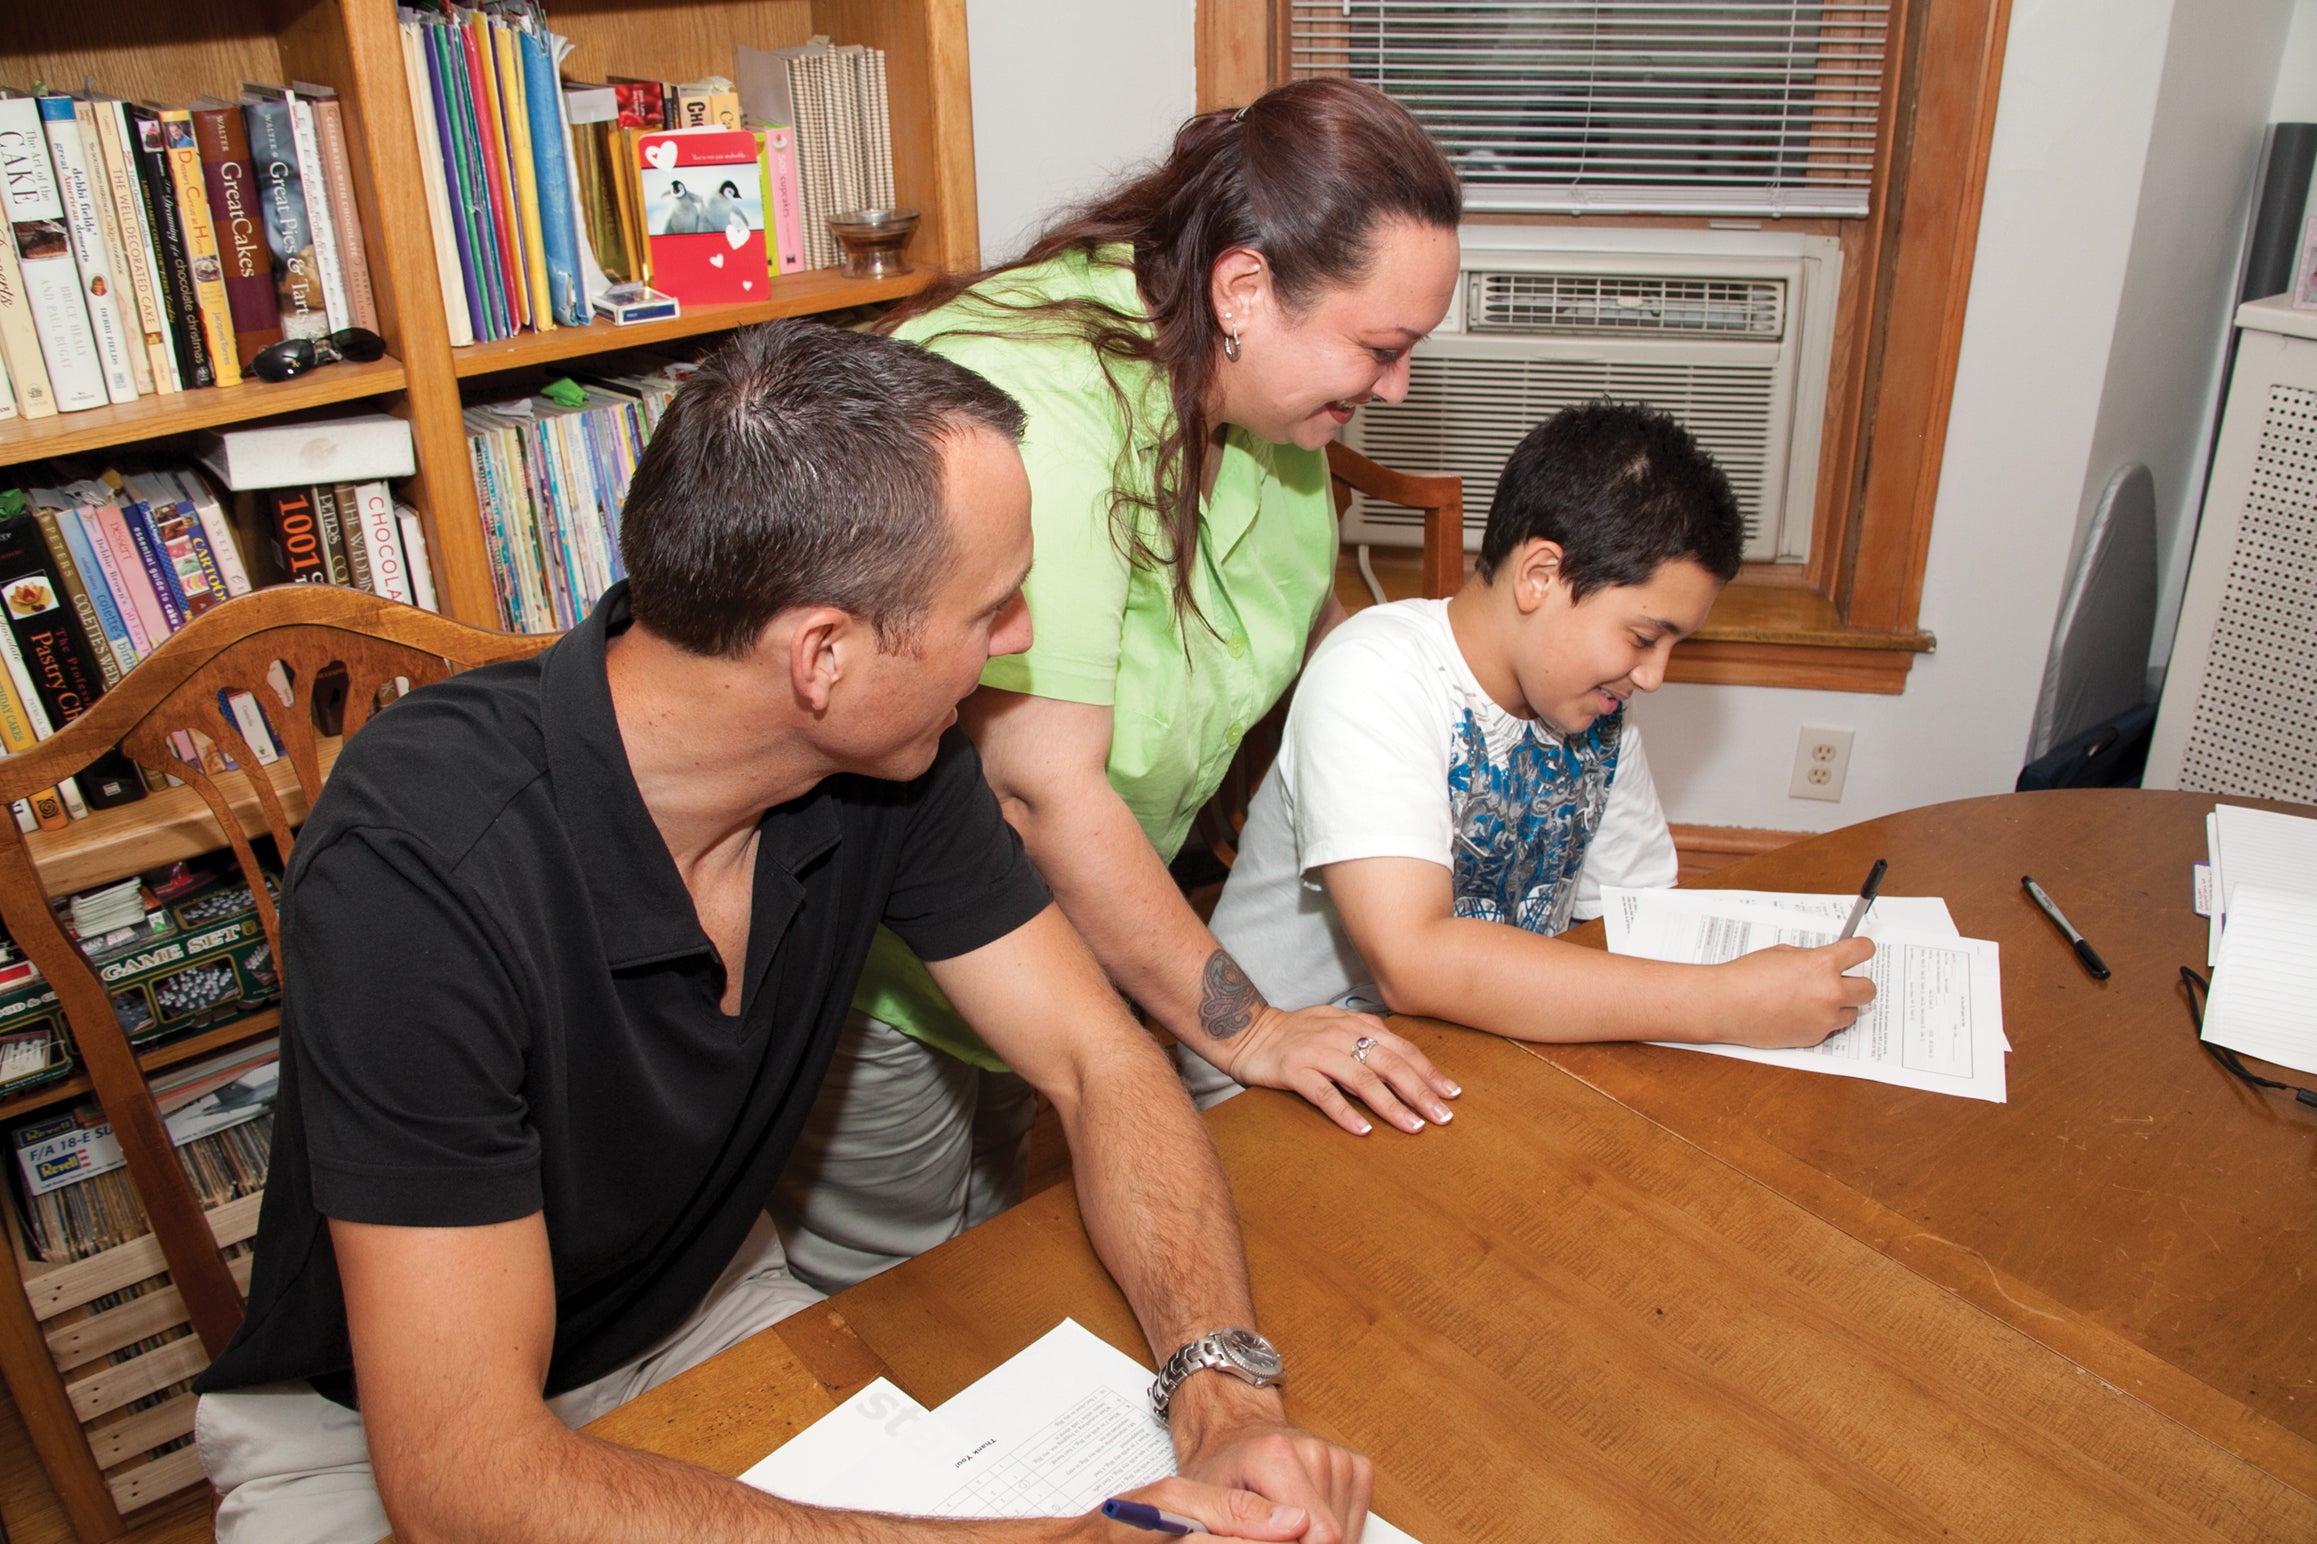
pixel 2295 98
pixel 1066 96
pixel 2123 152
pixel 2163 382
pixel 2124 139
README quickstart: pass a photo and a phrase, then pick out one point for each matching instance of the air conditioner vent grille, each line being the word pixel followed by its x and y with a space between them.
pixel 1466 415
pixel 1626 304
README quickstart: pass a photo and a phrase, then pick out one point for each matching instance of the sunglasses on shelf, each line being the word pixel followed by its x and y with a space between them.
pixel 293 357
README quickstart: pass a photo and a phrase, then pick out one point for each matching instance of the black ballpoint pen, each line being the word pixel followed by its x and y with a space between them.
pixel 1866 897
pixel 2083 946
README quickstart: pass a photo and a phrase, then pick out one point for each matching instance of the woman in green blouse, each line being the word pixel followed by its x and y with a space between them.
pixel 1185 345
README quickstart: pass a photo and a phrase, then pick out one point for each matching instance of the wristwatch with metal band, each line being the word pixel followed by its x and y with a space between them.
pixel 1243 1354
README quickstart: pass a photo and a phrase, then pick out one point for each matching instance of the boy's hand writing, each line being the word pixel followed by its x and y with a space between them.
pixel 1797 997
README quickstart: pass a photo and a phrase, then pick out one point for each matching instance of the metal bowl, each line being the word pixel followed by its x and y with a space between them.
pixel 873 241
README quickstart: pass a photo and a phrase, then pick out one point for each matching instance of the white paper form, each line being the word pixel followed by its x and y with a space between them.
pixel 2258 847
pixel 2264 988
pixel 1913 913
pixel 1053 1432
pixel 1937 1019
pixel 847 1458
pixel 1926 914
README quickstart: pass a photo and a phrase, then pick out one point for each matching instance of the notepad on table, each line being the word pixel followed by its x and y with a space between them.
pixel 2264 986
pixel 2256 847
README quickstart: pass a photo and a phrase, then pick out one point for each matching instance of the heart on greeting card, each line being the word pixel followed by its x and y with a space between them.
pixel 736 236
pixel 715 259
pixel 661 155
pixel 748 284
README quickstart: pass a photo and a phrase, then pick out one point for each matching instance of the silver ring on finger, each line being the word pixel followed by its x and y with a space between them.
pixel 1362 1046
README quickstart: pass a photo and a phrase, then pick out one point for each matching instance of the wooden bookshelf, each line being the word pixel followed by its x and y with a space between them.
pixel 264 1022
pixel 159 828
pixel 175 50
pixel 924 43
pixel 796 294
pixel 152 417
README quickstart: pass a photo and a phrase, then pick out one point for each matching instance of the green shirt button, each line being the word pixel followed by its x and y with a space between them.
pixel 1231 735
pixel 1238 646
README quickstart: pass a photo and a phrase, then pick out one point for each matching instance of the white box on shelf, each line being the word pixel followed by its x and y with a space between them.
pixel 364 448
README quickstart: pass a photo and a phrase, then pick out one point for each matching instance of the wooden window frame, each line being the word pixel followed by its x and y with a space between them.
pixel 1849 618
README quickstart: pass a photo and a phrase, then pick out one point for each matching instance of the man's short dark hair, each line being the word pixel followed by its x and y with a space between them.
pixel 1622 489
pixel 801 466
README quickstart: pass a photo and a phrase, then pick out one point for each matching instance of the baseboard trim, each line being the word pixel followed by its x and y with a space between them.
pixel 1702 849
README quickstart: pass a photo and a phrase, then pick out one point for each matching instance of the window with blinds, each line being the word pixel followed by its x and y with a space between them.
pixel 1702 107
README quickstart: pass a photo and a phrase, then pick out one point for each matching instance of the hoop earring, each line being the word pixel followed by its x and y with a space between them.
pixel 1231 345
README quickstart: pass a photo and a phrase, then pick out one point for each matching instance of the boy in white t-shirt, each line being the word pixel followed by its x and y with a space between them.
pixel 1458 781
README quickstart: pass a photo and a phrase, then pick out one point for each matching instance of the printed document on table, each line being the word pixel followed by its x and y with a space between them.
pixel 1914 913
pixel 1937 1019
pixel 1888 914
pixel 1053 1432
pixel 849 1457
pixel 2264 988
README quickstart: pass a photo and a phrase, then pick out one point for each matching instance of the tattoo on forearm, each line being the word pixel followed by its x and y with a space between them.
pixel 1227 999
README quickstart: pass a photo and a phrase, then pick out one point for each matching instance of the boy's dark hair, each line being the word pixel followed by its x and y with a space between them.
pixel 1622 489
pixel 802 465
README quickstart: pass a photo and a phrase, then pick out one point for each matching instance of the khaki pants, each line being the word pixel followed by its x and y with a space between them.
pixel 906 1148
pixel 291 1467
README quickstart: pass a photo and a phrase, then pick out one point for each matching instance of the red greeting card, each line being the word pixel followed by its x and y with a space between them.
pixel 703 197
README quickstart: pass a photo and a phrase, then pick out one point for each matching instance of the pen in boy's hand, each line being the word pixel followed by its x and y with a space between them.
pixel 1141 1514
pixel 1866 898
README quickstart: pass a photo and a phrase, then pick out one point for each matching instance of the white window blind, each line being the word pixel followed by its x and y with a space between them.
pixel 1740 107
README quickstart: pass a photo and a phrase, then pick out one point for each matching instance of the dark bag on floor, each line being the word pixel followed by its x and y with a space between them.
pixel 2107 755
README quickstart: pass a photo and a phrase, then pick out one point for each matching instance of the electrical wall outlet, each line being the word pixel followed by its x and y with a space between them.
pixel 1821 762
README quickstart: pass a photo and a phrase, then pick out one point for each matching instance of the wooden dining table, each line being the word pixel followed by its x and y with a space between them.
pixel 1633 1292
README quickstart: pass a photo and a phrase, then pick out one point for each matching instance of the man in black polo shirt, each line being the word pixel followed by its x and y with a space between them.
pixel 570 944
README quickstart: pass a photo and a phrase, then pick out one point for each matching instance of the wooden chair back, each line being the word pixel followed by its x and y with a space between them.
pixel 316 634
pixel 1441 498
pixel 1221 819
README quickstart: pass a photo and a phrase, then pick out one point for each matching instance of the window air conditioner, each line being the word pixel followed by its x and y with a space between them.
pixel 1728 331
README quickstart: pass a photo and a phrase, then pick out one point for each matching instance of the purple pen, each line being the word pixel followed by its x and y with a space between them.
pixel 1138 1514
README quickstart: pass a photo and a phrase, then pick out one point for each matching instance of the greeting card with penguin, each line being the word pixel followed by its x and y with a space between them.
pixel 703 197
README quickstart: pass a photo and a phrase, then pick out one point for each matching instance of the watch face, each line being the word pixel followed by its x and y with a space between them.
pixel 1250 1351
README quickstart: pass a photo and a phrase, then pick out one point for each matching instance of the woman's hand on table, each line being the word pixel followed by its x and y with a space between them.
pixel 1324 1053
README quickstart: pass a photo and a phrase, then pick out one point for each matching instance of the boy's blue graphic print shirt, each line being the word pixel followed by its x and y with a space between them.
pixel 1394 750
pixel 1524 810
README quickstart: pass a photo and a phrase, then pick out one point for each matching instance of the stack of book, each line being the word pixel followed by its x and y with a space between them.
pixel 76 1201
pixel 99 567
pixel 150 249
pixel 494 157
pixel 350 534
pixel 831 99
pixel 552 472
pixel 543 192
